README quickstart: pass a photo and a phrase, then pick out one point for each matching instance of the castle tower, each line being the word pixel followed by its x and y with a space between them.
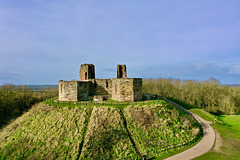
pixel 87 72
pixel 121 71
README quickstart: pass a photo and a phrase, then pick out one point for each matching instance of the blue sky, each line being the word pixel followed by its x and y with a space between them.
pixel 42 41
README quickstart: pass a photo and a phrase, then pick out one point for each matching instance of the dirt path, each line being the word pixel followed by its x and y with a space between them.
pixel 203 146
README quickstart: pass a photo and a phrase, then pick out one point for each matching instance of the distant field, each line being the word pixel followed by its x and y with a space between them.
pixel 41 87
pixel 98 132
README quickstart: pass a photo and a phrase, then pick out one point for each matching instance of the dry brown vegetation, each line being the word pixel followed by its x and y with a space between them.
pixel 144 118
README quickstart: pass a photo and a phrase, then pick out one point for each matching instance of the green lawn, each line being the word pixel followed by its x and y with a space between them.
pixel 227 129
pixel 233 123
pixel 229 145
pixel 205 115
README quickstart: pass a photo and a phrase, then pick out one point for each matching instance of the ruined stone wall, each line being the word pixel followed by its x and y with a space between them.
pixel 87 72
pixel 84 90
pixel 75 90
pixel 68 90
pixel 127 89
pixel 122 89
pixel 103 87
pixel 121 71
pixel 137 89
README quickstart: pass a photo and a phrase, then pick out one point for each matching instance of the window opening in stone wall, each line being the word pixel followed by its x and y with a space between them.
pixel 85 76
pixel 107 84
pixel 61 88
pixel 120 72
pixel 115 88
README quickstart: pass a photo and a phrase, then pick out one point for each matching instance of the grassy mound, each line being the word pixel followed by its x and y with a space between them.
pixel 97 132
pixel 44 131
pixel 157 128
pixel 106 137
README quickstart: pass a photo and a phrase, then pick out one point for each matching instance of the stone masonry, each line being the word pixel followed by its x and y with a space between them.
pixel 121 71
pixel 87 71
pixel 120 88
pixel 127 89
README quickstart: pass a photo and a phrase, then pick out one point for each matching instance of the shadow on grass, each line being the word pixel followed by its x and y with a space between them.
pixel 5 120
pixel 184 105
pixel 198 111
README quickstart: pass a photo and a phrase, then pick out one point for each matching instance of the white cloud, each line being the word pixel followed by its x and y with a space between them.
pixel 5 75
pixel 234 70
pixel 212 66
pixel 203 65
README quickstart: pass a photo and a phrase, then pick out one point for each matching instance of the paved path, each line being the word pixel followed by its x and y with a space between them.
pixel 203 146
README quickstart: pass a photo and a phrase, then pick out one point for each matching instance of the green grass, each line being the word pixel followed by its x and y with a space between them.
pixel 233 122
pixel 106 137
pixel 185 105
pixel 98 131
pixel 227 129
pixel 107 103
pixel 160 128
pixel 230 140
pixel 44 131
pixel 205 115
pixel 110 100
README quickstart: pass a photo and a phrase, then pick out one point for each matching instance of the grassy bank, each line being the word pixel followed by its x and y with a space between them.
pixel 205 115
pixel 44 132
pixel 98 132
pixel 157 129
pixel 106 137
pixel 227 129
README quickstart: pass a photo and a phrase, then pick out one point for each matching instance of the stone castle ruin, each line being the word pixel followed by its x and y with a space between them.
pixel 88 88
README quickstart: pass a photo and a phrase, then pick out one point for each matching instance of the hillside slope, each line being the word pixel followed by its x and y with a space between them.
pixel 83 132
pixel 44 131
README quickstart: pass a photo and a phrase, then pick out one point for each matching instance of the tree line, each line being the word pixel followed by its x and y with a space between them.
pixel 14 100
pixel 209 95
